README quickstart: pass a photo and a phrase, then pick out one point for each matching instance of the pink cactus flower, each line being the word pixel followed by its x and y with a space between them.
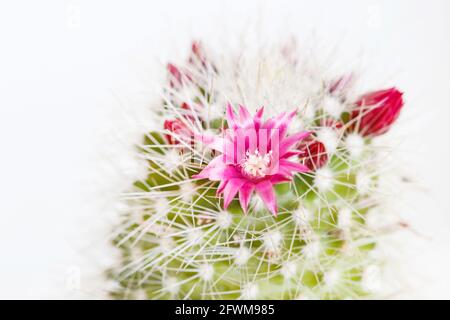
pixel 253 156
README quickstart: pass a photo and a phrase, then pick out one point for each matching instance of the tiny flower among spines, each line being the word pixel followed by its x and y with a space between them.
pixel 159 229
pixel 297 124
pixel 289 269
pixel 308 112
pixel 272 242
pixel 161 206
pixel 364 182
pixel 250 291
pixel 329 137
pixel 137 215
pixel 195 236
pixel 171 285
pixel 331 278
pixel 242 255
pixel 371 278
pixel 166 244
pixel 224 219
pixel 324 179
pixel 257 204
pixel 302 216
pixel 172 160
pixel 312 250
pixel 344 218
pixel 305 233
pixel 206 272
pixel 187 191
pixel 332 106
pixel 355 144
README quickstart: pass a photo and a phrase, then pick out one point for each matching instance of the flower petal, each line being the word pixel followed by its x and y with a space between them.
pixel 265 191
pixel 213 165
pixel 274 123
pixel 231 117
pixel 244 115
pixel 278 178
pixel 257 120
pixel 244 195
pixel 259 113
pixel 293 166
pixel 285 123
pixel 222 185
pixel 288 142
pixel 213 142
pixel 291 154
pixel 230 190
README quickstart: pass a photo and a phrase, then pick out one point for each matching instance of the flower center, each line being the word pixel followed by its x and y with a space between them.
pixel 255 165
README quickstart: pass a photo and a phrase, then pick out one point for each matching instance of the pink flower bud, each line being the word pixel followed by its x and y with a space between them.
pixel 376 111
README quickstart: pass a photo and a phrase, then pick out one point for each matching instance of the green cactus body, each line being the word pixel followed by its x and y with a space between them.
pixel 177 241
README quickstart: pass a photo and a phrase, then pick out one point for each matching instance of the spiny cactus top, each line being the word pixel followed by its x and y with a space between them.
pixel 256 205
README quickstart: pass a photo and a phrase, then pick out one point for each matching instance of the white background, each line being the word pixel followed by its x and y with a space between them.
pixel 72 71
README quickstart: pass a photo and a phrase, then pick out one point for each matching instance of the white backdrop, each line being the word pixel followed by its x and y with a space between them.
pixel 72 71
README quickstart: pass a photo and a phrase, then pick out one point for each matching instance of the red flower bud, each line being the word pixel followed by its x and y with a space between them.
pixel 176 76
pixel 178 128
pixel 332 123
pixel 199 60
pixel 314 155
pixel 189 112
pixel 376 112
pixel 197 54
pixel 340 85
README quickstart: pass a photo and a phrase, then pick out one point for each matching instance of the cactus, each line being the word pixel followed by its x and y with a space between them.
pixel 177 240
